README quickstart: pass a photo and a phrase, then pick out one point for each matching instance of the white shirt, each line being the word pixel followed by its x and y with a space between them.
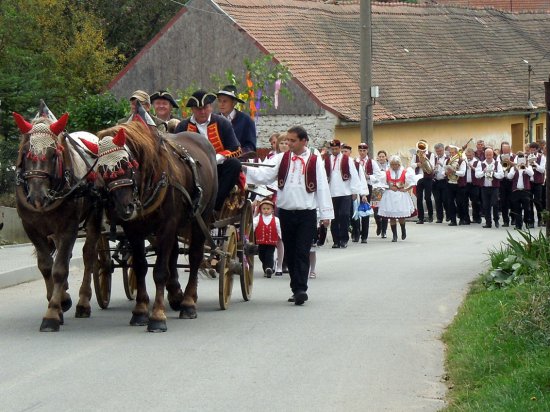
pixel 293 196
pixel 498 172
pixel 431 159
pixel 231 115
pixel 462 169
pixel 541 168
pixel 371 179
pixel 528 171
pixel 439 167
pixel 339 187
pixel 201 126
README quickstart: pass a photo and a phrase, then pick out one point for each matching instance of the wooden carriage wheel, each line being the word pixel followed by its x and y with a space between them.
pixel 130 281
pixel 102 272
pixel 224 266
pixel 247 249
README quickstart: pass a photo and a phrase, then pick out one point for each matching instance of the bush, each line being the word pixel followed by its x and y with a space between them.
pixel 8 157
pixel 95 112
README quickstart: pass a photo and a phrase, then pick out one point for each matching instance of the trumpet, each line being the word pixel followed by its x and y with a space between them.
pixel 506 162
pixel 531 159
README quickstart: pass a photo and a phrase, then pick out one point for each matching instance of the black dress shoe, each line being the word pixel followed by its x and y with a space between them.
pixel 487 226
pixel 343 245
pixel 300 298
pixel 439 221
pixel 420 222
pixel 336 246
pixel 530 226
pixel 453 223
pixel 497 224
pixel 291 299
pixel 355 240
pixel 461 222
pixel 505 224
pixel 478 221
pixel 363 240
pixel 430 219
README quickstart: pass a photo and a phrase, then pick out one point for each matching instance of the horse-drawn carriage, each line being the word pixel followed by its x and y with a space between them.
pixel 155 188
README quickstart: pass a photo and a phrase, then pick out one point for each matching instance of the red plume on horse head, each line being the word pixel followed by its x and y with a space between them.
pixel 120 138
pixel 22 124
pixel 59 126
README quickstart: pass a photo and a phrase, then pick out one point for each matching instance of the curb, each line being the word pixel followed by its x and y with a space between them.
pixel 28 274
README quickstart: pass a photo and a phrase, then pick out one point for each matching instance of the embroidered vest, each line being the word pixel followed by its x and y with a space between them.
pixel 344 167
pixel 266 234
pixel 399 182
pixel 310 173
pixel 368 167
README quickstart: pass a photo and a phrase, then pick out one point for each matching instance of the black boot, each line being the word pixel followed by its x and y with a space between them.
pixel 378 225
pixel 403 231
pixel 394 232
pixel 384 225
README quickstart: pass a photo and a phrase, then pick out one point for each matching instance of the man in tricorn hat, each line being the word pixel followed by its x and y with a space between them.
pixel 220 133
pixel 244 126
pixel 143 98
pixel 164 103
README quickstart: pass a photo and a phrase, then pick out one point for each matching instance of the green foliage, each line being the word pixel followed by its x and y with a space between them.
pixel 8 157
pixel 96 112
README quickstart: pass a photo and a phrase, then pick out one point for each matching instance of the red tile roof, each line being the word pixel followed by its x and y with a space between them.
pixel 506 5
pixel 427 61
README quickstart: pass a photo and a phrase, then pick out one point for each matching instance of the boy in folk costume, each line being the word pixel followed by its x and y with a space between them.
pixel 267 231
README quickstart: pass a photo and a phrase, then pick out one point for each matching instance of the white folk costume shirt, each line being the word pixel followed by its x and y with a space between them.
pixel 470 173
pixel 480 172
pixel 293 196
pixel 528 171
pixel 339 187
pixel 461 172
pixel 431 159
pixel 439 167
pixel 371 180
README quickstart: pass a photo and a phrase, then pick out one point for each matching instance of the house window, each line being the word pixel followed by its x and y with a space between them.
pixel 539 132
pixel 518 138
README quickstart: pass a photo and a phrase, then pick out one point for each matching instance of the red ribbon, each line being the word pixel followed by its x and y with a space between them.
pixel 294 158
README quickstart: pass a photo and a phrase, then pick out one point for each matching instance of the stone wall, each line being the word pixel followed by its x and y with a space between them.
pixel 13 231
pixel 320 128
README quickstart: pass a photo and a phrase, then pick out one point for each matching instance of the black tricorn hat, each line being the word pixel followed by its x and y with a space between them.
pixel 163 94
pixel 230 91
pixel 200 98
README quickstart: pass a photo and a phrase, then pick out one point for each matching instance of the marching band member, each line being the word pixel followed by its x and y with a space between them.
pixel 377 191
pixel 439 184
pixel 344 185
pixel 505 190
pixel 423 163
pixel 453 164
pixel 396 203
pixel 367 170
pixel 520 176
pixel 471 188
pixel 538 162
pixel 491 172
pixel 480 150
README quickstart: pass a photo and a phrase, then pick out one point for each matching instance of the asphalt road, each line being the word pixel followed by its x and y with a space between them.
pixel 367 340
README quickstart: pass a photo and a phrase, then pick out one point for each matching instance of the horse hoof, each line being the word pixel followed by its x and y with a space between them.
pixel 49 325
pixel 66 304
pixel 188 312
pixel 139 320
pixel 82 312
pixel 156 326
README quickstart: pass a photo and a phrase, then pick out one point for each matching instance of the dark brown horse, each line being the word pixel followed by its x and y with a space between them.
pixel 53 199
pixel 161 186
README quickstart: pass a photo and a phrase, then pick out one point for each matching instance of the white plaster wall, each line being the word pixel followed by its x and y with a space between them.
pixel 320 128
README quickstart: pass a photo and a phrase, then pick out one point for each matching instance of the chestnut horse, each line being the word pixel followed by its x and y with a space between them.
pixel 165 187
pixel 53 198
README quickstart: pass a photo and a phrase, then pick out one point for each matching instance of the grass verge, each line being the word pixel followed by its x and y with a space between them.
pixel 498 346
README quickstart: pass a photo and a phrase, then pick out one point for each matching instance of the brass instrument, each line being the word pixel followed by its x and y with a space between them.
pixel 506 162
pixel 490 171
pixel 521 166
pixel 531 159
pixel 425 164
pixel 452 167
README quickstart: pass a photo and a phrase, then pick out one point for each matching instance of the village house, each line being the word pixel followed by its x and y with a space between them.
pixel 445 73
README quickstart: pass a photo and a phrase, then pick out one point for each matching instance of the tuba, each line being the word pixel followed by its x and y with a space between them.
pixel 425 164
pixel 452 167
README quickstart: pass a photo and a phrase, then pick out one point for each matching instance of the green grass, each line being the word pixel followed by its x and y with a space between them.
pixel 498 346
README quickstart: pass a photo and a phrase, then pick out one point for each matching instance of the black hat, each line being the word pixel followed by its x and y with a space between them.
pixel 200 98
pixel 163 94
pixel 230 91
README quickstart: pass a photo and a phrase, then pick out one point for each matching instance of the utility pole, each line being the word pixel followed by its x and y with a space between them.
pixel 547 101
pixel 366 74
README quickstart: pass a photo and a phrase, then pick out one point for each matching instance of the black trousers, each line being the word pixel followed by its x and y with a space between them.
pixel 438 191
pixel 521 201
pixel 536 192
pixel 505 199
pixel 489 200
pixel 228 175
pixel 298 229
pixel 266 255
pixel 360 227
pixel 424 193
pixel 340 223
pixel 451 198
pixel 471 195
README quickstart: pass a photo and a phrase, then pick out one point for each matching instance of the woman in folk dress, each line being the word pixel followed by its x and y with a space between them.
pixel 396 203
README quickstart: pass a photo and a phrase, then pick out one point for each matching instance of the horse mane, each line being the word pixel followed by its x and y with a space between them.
pixel 146 147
